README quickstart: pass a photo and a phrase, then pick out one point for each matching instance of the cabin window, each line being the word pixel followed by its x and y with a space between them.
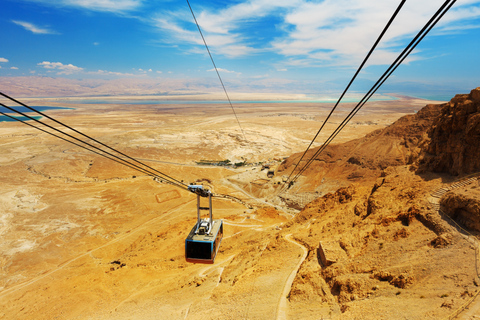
pixel 199 250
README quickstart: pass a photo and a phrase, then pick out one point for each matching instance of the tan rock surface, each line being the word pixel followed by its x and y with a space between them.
pixel 455 136
pixel 86 238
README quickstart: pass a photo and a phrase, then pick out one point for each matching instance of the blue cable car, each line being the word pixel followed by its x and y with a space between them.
pixel 202 243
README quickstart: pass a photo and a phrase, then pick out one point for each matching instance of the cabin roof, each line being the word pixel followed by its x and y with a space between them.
pixel 205 237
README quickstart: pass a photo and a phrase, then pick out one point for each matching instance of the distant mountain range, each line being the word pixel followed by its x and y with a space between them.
pixel 36 86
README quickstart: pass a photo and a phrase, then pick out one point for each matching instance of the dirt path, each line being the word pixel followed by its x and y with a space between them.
pixel 282 310
pixel 17 141
pixel 61 266
pixel 472 311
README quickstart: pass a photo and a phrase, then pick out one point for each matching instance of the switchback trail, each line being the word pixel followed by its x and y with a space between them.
pixel 282 310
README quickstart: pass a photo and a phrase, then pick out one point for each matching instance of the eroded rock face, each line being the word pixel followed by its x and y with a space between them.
pixel 401 143
pixel 464 208
pixel 455 137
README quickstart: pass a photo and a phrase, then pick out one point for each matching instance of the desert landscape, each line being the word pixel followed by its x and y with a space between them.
pixel 382 225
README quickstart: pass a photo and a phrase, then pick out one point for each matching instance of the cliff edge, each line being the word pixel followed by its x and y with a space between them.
pixel 454 145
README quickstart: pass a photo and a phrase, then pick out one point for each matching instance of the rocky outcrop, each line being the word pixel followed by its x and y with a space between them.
pixel 439 138
pixel 463 207
pixel 454 145
pixel 330 252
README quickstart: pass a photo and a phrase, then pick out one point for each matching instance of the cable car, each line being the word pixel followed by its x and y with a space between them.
pixel 202 243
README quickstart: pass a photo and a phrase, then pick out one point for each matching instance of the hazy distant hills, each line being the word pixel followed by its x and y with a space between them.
pixel 169 88
pixel 61 87
pixel 37 86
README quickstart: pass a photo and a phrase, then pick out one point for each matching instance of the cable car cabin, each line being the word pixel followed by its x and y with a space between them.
pixel 203 241
pixel 201 247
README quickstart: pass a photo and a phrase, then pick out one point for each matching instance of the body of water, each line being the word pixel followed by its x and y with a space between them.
pixel 161 101
pixel 21 118
pixel 27 111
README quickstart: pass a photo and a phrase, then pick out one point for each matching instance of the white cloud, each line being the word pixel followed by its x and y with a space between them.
pixel 63 68
pixel 142 71
pixel 458 19
pixel 340 32
pixel 33 28
pixel 261 76
pixel 226 20
pixel 170 26
pixel 3 60
pixel 222 29
pixel 13 68
pixel 110 73
pixel 223 71
pixel 95 5
pixel 328 32
pixel 105 5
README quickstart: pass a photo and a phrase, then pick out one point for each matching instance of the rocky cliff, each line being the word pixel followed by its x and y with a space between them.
pixel 401 143
pixel 463 205
pixel 454 145
pixel 380 241
pixel 439 138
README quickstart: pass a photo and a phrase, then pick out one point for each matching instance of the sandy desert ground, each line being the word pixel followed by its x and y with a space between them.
pixel 86 238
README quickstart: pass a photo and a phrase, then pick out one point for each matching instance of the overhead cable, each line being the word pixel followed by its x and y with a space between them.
pixel 93 139
pixel 113 157
pixel 216 70
pixel 349 84
pixel 123 161
pixel 418 38
pixel 59 137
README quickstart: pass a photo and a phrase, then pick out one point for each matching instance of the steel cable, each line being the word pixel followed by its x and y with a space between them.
pixel 59 137
pixel 349 84
pixel 93 139
pixel 418 38
pixel 216 70
pixel 118 159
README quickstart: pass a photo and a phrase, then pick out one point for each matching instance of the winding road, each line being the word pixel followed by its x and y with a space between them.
pixel 282 309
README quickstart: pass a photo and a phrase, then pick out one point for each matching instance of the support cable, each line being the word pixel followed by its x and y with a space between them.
pixel 216 70
pixel 86 136
pixel 349 84
pixel 161 175
pixel 78 145
pixel 418 38
pixel 126 163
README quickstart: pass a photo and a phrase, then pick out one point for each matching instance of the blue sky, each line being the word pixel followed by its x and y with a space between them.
pixel 304 46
